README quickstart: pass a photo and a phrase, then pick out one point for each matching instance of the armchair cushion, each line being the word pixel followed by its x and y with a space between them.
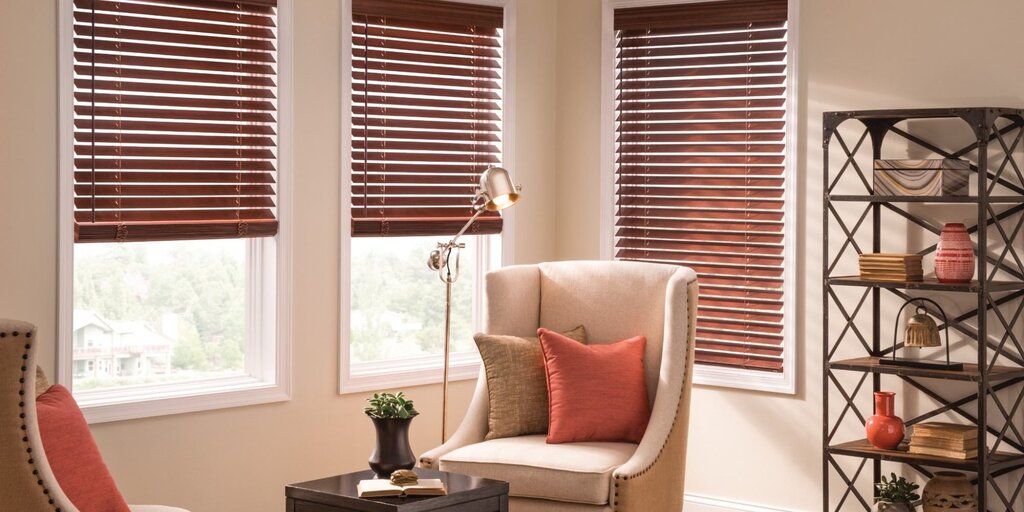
pixel 516 386
pixel 596 392
pixel 575 472
pixel 73 455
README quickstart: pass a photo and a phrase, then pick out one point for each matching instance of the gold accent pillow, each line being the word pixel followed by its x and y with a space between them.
pixel 41 383
pixel 516 385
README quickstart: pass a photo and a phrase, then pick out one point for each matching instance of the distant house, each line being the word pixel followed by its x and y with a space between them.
pixel 110 348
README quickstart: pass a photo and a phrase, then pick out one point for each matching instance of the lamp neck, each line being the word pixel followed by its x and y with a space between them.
pixel 479 212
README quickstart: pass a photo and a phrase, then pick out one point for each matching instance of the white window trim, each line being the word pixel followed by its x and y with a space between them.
pixel 414 371
pixel 785 382
pixel 273 255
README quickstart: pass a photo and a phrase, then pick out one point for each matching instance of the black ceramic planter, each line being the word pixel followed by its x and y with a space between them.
pixel 392 451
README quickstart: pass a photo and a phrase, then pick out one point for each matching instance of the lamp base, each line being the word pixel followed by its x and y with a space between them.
pixel 920 363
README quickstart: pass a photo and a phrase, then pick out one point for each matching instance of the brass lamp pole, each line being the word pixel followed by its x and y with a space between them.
pixel 496 193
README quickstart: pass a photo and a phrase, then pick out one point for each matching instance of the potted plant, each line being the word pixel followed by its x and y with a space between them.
pixel 895 495
pixel 391 415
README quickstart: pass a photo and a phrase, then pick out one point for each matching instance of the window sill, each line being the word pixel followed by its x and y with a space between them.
pixel 407 372
pixel 781 383
pixel 167 399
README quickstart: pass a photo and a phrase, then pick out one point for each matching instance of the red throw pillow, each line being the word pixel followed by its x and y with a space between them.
pixel 595 392
pixel 73 455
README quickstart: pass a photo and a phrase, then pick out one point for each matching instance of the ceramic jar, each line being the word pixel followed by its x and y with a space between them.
pixel 885 430
pixel 949 490
pixel 954 258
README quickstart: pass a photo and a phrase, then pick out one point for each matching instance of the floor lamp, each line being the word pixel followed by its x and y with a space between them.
pixel 496 193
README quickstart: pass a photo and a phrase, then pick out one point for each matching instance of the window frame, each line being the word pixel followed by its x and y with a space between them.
pixel 269 272
pixel 415 371
pixel 784 382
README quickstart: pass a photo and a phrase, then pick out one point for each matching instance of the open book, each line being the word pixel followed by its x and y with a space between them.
pixel 380 488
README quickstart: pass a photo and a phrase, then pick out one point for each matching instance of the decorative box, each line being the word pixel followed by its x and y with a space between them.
pixel 932 178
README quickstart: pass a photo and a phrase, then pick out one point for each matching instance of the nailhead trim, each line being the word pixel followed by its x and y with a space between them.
pixel 23 413
pixel 671 429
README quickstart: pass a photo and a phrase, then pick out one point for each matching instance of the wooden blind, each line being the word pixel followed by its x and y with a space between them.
pixel 426 115
pixel 175 116
pixel 700 145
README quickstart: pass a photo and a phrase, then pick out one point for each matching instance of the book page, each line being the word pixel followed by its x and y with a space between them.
pixel 371 488
pixel 426 486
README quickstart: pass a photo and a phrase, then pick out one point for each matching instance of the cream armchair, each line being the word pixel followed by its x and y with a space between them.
pixel 614 301
pixel 26 482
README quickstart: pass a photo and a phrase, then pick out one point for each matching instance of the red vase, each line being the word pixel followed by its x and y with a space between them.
pixel 954 258
pixel 884 429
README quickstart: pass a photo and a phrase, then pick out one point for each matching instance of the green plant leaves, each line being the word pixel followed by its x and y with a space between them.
pixel 896 489
pixel 390 406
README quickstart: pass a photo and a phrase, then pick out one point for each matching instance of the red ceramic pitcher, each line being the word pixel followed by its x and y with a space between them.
pixel 885 430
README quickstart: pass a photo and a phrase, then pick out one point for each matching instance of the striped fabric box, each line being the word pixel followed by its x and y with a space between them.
pixel 931 178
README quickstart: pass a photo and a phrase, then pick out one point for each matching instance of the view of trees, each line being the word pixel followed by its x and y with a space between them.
pixel 398 303
pixel 202 283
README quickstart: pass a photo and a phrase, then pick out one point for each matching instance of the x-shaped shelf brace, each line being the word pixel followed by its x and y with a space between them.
pixel 851 324
pixel 849 406
pixel 851 486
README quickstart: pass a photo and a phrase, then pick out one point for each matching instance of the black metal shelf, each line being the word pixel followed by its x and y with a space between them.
pixel 991 325
pixel 970 373
pixel 923 113
pixel 861 448
pixel 920 199
pixel 928 284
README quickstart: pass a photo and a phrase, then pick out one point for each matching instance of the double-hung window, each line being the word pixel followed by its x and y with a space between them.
pixel 701 117
pixel 174 200
pixel 425 121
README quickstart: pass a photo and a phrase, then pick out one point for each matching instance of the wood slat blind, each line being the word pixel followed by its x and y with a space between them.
pixel 175 119
pixel 426 115
pixel 700 160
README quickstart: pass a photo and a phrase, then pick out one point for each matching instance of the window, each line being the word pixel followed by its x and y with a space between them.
pixel 426 103
pixel 701 117
pixel 174 207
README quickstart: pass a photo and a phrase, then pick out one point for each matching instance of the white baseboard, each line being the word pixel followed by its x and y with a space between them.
pixel 699 503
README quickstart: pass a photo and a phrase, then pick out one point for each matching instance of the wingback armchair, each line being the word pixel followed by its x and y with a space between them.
pixel 27 483
pixel 613 301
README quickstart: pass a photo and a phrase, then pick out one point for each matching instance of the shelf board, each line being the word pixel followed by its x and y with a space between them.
pixel 922 113
pixel 923 199
pixel 863 449
pixel 927 284
pixel 970 372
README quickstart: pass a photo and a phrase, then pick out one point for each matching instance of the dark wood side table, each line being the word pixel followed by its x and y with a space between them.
pixel 338 494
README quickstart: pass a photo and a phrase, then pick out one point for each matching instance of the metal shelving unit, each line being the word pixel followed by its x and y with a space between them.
pixel 998 373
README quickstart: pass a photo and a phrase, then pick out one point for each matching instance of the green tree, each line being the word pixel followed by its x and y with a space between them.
pixel 202 283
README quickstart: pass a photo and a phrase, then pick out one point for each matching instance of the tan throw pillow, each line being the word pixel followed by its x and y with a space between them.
pixel 516 385
pixel 41 383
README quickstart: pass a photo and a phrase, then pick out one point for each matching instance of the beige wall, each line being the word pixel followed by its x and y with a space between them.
pixel 761 448
pixel 579 127
pixel 240 459
pixel 744 446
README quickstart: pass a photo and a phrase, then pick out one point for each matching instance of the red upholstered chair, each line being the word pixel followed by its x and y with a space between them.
pixel 27 483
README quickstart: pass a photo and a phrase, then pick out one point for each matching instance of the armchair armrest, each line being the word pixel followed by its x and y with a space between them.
pixel 471 431
pixel 652 479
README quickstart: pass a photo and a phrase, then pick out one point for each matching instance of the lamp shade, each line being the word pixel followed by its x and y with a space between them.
pixel 498 190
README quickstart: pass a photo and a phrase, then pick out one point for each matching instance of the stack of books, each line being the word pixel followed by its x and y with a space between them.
pixel 891 267
pixel 945 440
